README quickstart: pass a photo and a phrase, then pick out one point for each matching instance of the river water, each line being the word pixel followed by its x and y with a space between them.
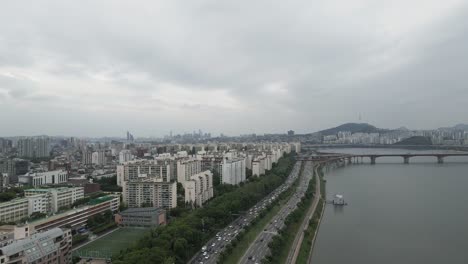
pixel 396 213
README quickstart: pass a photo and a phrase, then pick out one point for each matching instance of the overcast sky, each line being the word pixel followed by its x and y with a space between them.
pixel 97 68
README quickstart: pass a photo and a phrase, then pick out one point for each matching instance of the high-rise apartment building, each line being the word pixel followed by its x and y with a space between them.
pixel 14 167
pixel 234 170
pixel 186 168
pixel 125 155
pixel 199 188
pixel 99 157
pixel 150 192
pixel 87 157
pixel 34 147
pixel 140 169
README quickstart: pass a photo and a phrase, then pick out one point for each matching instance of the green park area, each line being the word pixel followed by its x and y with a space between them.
pixel 111 244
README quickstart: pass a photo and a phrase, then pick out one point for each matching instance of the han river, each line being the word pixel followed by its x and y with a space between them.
pixel 396 213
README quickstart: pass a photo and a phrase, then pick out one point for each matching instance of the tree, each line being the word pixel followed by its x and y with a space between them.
pixel 7 196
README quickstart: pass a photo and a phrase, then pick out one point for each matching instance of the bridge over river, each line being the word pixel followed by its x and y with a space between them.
pixel 322 156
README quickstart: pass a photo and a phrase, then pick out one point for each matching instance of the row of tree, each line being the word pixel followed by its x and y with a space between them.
pixel 178 241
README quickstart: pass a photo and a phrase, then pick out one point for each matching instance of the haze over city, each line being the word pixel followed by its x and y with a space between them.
pixel 88 68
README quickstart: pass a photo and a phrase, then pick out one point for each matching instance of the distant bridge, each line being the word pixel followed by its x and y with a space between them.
pixel 324 157
pixel 307 146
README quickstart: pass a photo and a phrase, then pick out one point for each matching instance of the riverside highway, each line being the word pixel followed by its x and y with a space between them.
pixel 259 247
pixel 211 250
pixel 296 246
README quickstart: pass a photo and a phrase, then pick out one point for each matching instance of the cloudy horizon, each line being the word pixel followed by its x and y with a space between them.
pixel 97 68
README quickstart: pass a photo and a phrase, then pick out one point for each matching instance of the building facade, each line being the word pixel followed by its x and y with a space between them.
pixel 52 246
pixel 34 147
pixel 58 198
pixel 234 170
pixel 44 178
pixel 199 188
pixel 21 208
pixel 150 192
pixel 186 168
pixel 148 217
pixel 77 217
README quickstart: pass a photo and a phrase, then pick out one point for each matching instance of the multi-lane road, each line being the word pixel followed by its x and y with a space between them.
pixel 259 248
pixel 296 246
pixel 211 250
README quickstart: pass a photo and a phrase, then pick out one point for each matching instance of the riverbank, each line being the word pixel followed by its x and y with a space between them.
pixel 310 234
pixel 306 221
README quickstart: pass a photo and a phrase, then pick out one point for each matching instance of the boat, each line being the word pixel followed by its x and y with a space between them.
pixel 338 200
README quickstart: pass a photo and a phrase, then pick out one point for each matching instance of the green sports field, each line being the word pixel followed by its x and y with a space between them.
pixel 111 244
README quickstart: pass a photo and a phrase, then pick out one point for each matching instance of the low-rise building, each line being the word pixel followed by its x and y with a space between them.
pixel 44 178
pixel 141 217
pixel 10 233
pixel 21 208
pixel 52 246
pixel 78 217
pixel 58 197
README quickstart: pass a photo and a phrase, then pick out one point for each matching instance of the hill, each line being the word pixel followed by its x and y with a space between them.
pixel 463 127
pixel 352 127
pixel 416 140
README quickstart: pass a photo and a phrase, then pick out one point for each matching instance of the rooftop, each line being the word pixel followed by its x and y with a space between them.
pixel 35 246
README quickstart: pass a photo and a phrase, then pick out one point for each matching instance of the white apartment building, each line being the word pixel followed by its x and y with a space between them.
pixel 58 197
pixel 99 157
pixel 199 188
pixel 44 178
pixel 87 157
pixel 120 172
pixel 125 155
pixel 150 191
pixel 258 166
pixel 140 169
pixel 296 146
pixel 233 170
pixel 186 168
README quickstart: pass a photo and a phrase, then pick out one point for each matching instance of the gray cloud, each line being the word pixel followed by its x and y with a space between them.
pixel 180 64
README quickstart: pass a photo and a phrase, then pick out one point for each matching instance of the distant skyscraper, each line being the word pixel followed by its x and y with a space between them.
pixel 33 148
pixel 25 147
pixel 99 157
pixel 87 157
pixel 129 137
pixel 42 147
pixel 291 133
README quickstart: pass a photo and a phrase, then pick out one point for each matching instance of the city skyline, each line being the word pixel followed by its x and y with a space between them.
pixel 86 69
pixel 208 134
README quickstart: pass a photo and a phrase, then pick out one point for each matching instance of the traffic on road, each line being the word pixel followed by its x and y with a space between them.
pixel 210 251
pixel 259 248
